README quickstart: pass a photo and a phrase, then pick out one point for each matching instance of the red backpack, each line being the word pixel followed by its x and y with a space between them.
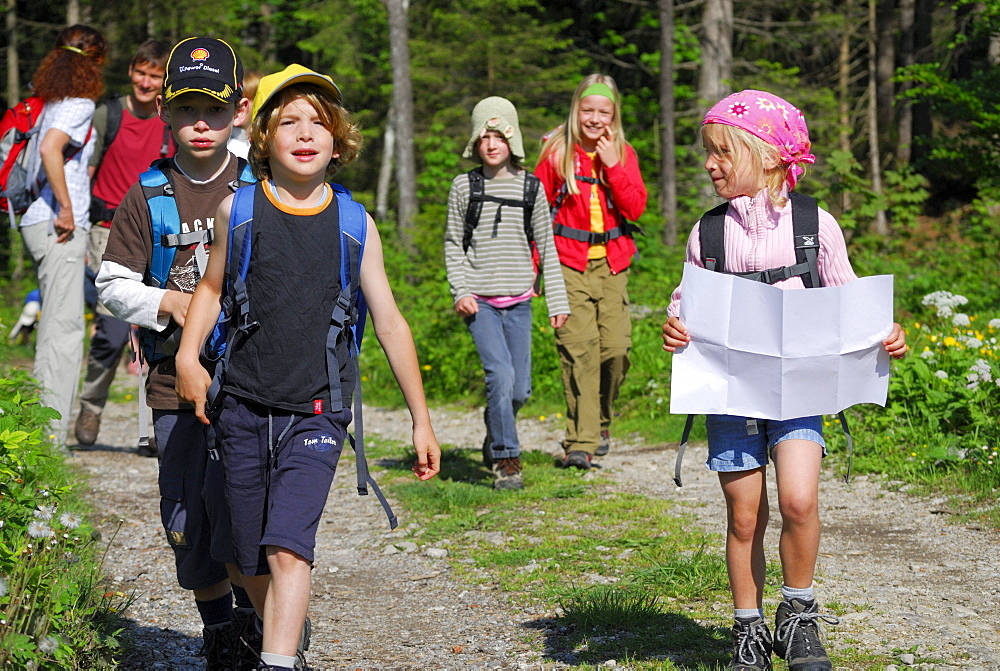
pixel 18 135
pixel 17 128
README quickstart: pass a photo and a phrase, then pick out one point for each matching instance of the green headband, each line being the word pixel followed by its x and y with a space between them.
pixel 598 89
pixel 75 50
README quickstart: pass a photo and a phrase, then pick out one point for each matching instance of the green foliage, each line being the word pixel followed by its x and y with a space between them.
pixel 53 612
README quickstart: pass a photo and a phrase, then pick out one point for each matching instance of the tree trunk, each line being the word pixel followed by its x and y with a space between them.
pixel 385 169
pixel 402 103
pixel 904 137
pixel 716 51
pixel 72 12
pixel 668 153
pixel 13 79
pixel 843 103
pixel 881 222
pixel 923 46
pixel 885 66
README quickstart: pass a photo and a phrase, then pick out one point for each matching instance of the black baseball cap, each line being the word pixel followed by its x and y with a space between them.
pixel 203 65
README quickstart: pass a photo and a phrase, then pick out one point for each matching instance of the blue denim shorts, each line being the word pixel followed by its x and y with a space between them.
pixel 732 447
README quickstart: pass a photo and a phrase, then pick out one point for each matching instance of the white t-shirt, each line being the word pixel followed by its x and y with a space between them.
pixel 73 117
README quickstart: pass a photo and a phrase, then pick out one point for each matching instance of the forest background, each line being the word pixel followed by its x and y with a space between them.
pixel 901 100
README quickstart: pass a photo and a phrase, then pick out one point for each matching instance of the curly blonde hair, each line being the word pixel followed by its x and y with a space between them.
pixel 73 68
pixel 336 119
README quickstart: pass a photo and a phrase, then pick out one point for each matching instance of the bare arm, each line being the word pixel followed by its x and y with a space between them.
pixel 53 160
pixel 394 336
pixel 192 378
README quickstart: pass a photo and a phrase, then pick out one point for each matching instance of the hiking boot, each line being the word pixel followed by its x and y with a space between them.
pixel 797 636
pixel 217 648
pixel 88 424
pixel 507 474
pixel 249 640
pixel 148 450
pixel 751 646
pixel 605 445
pixel 576 459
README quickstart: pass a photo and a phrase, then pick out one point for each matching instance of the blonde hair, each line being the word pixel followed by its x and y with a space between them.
pixel 568 135
pixel 750 153
pixel 336 119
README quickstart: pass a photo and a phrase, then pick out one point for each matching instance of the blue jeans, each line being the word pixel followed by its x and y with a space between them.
pixel 503 340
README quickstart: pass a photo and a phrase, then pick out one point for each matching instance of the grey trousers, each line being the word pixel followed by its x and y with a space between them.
pixel 59 342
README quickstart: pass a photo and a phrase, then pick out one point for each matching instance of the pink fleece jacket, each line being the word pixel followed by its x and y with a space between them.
pixel 759 237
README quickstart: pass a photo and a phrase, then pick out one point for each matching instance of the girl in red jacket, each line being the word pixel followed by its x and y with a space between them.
pixel 592 181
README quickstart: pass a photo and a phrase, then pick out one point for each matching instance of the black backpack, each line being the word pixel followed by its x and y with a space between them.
pixel 477 195
pixel 805 232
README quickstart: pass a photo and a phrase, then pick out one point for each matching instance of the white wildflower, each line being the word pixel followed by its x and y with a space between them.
pixel 70 520
pixel 944 299
pixel 982 370
pixel 994 324
pixel 974 343
pixel 961 319
pixel 48 645
pixel 941 375
pixel 943 311
pixel 927 354
pixel 44 512
pixel 39 529
pixel 3 587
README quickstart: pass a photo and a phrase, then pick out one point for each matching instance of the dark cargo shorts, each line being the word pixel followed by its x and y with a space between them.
pixel 276 496
pixel 192 500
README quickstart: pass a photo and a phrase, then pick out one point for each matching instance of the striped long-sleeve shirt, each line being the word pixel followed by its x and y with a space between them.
pixel 759 237
pixel 498 261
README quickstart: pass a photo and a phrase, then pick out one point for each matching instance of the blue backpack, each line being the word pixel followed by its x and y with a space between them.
pixel 158 190
pixel 235 322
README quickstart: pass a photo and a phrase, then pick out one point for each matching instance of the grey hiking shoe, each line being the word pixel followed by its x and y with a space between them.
pixel 217 648
pixel 751 646
pixel 797 636
pixel 605 445
pixel 507 473
pixel 576 459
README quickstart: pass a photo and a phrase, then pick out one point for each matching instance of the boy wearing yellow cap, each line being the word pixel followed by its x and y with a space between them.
pixel 282 426
pixel 201 100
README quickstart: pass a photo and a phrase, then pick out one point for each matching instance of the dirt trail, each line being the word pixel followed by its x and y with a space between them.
pixel 910 583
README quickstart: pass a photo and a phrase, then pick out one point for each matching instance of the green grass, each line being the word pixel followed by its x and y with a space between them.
pixel 627 577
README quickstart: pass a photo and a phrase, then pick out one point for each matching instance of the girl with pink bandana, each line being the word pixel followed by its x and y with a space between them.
pixel 756 145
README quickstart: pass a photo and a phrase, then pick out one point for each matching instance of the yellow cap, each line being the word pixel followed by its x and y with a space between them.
pixel 293 74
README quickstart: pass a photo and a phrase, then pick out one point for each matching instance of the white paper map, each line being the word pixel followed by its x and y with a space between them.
pixel 759 351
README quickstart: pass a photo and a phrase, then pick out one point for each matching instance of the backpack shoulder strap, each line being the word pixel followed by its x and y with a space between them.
pixel 711 234
pixel 163 216
pixel 114 119
pixel 805 229
pixel 245 173
pixel 477 189
pixel 531 185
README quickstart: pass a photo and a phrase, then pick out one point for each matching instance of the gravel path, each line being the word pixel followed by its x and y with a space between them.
pixel 911 583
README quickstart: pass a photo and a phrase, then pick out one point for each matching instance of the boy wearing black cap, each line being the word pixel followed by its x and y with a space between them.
pixel 201 101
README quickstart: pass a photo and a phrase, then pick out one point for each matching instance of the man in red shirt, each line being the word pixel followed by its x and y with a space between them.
pixel 129 135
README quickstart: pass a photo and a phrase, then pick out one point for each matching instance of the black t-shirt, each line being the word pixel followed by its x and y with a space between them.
pixel 293 282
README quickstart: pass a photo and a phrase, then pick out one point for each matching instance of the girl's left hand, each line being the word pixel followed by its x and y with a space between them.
pixel 895 344
pixel 607 150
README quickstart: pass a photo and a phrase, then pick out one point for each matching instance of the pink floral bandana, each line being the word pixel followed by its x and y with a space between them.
pixel 772 119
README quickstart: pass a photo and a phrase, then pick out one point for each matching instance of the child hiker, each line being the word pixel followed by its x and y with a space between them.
pixel 756 143
pixel 488 256
pixel 592 182
pixel 201 100
pixel 281 427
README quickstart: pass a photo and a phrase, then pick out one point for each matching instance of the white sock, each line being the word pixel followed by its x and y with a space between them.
pixel 748 613
pixel 283 661
pixel 802 594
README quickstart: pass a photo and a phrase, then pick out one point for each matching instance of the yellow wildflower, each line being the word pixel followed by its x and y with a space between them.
pixel 950 342
pixel 427 366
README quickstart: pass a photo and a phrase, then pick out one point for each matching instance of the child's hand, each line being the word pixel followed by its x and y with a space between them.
pixel 607 150
pixel 175 304
pixel 895 344
pixel 558 321
pixel 428 463
pixel 192 386
pixel 674 335
pixel 466 306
